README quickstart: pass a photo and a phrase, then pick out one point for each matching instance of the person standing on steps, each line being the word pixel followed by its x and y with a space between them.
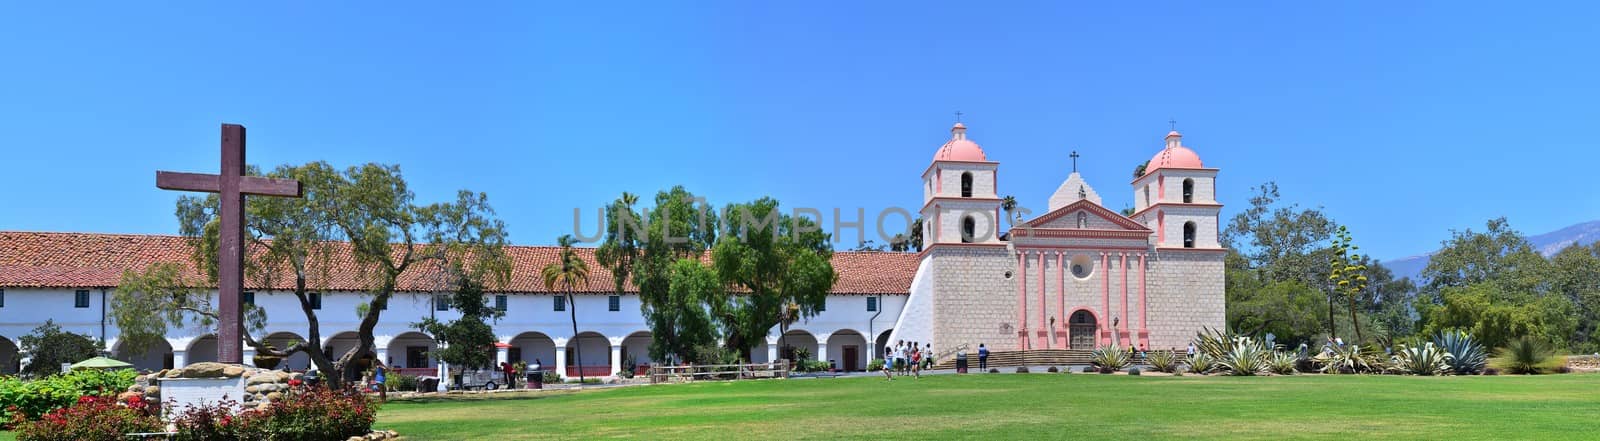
pixel 983 358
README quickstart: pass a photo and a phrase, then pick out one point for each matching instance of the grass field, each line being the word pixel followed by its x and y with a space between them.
pixel 1035 406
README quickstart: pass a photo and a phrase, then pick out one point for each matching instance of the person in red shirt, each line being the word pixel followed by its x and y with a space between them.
pixel 511 374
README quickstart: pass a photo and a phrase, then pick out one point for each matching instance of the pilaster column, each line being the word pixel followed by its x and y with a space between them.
pixel 1044 305
pixel 1022 300
pixel 1123 330
pixel 502 354
pixel 444 376
pixel 772 351
pixel 1105 299
pixel 616 359
pixel 1144 306
pixel 1061 300
pixel 822 352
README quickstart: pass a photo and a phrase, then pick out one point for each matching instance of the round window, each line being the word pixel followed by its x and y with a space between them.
pixel 1082 266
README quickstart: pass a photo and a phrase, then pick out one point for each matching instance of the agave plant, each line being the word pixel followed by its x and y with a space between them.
pixel 1425 359
pixel 1351 359
pixel 1282 363
pixel 1201 363
pixel 1162 361
pixel 1467 355
pixel 1215 343
pixel 1245 357
pixel 1109 359
pixel 1527 355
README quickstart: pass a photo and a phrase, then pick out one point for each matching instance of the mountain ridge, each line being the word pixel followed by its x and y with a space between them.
pixel 1548 244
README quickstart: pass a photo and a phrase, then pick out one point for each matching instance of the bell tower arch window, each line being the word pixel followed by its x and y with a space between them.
pixel 966 184
pixel 969 229
pixel 1188 191
pixel 1188 234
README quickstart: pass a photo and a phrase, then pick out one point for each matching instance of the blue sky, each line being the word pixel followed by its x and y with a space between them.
pixel 1401 119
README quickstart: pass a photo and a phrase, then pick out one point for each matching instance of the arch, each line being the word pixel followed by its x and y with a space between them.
pixel 1081 328
pixel 791 342
pixel 202 349
pixel 532 346
pixel 595 350
pixel 282 340
pixel 881 342
pixel 966 184
pixel 636 348
pixel 412 350
pixel 1188 190
pixel 847 350
pixel 10 360
pixel 969 229
pixel 154 358
pixel 1188 234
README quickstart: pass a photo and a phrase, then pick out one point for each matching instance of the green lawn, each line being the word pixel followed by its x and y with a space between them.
pixel 1035 406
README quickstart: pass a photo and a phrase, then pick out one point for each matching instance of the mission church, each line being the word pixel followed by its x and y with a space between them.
pixel 1074 278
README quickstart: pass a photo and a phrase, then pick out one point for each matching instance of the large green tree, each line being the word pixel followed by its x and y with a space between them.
pixel 369 207
pixel 468 340
pixel 1496 285
pixel 1575 274
pixel 48 347
pixel 775 262
pixel 1282 243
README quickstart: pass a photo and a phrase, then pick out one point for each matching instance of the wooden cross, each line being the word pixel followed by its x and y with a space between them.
pixel 231 186
pixel 958 116
pixel 1074 156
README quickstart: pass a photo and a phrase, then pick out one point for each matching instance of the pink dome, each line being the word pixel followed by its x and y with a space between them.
pixel 1174 156
pixel 959 148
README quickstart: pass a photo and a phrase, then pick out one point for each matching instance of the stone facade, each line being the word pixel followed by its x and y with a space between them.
pixel 1141 281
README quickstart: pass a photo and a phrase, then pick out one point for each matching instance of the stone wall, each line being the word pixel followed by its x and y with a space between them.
pixel 262 386
pixel 1185 294
pixel 975 302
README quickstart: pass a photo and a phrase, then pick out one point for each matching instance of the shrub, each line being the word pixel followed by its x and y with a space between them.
pixel 1022 369
pixel 1109 359
pixel 1201 363
pixel 211 421
pixel 1467 355
pixel 551 376
pixel 1162 361
pixel 1052 370
pixel 92 418
pixel 31 399
pixel 1527 356
pixel 1133 371
pixel 994 371
pixel 307 414
pixel 1283 363
pixel 1088 369
pixel 400 382
pixel 1426 359
pixel 1490 371
pixel 1245 357
pixel 1214 343
pixel 875 365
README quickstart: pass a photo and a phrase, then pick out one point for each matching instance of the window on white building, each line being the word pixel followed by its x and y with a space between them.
pixel 441 303
pixel 614 303
pixel 966 184
pixel 2 298
pixel 822 306
pixel 247 297
pixel 561 303
pixel 500 303
pixel 80 299
pixel 316 300
pixel 872 304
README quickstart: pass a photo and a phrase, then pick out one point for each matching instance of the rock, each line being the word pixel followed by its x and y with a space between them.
pixel 125 396
pixel 142 379
pixel 136 387
pixel 206 369
pixel 173 373
pixel 375 436
pixel 156 390
pixel 232 371
pixel 274 396
pixel 262 378
pixel 357 438
pixel 252 389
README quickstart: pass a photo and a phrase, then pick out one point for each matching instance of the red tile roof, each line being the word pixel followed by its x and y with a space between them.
pixel 87 260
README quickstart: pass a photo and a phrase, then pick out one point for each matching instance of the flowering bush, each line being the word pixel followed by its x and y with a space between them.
pixel 28 400
pixel 302 414
pixel 92 418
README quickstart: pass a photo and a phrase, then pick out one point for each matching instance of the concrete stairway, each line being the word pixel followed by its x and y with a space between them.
pixel 1036 357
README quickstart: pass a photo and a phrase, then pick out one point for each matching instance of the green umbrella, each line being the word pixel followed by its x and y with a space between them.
pixel 101 363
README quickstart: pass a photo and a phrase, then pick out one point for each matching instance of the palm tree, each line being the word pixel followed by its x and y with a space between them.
pixel 569 272
pixel 1009 204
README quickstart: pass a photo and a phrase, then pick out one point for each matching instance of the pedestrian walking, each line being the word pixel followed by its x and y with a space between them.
pixel 378 377
pixel 888 363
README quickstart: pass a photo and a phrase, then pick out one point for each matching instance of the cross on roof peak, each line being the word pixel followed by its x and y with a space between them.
pixel 958 116
pixel 1074 156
